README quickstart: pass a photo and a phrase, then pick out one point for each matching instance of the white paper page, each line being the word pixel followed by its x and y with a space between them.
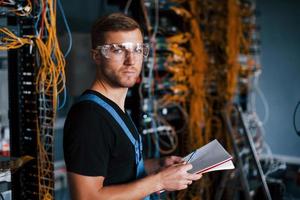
pixel 209 155
pixel 225 166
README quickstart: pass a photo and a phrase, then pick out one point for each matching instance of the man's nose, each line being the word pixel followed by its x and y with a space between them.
pixel 129 58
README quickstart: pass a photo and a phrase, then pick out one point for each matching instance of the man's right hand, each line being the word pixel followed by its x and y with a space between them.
pixel 176 177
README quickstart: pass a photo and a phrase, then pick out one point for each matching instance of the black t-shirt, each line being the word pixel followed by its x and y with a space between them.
pixel 96 145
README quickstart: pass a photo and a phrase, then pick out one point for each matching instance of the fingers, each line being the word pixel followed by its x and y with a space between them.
pixel 188 176
pixel 198 176
pixel 194 177
pixel 176 159
pixel 185 184
pixel 186 167
pixel 176 177
pixel 171 160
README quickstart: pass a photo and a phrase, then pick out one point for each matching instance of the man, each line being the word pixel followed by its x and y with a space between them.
pixel 101 144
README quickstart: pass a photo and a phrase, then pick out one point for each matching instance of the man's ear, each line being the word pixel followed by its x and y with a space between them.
pixel 96 56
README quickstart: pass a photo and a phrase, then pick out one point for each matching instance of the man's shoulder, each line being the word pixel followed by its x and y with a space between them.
pixel 87 120
pixel 83 108
pixel 87 113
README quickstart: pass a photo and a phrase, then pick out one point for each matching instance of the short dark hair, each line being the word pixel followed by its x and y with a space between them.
pixel 111 22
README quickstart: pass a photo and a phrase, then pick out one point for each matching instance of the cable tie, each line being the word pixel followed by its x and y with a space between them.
pixel 20 40
pixel 27 9
pixel 31 47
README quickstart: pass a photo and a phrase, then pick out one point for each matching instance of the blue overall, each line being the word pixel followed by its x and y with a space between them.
pixel 140 168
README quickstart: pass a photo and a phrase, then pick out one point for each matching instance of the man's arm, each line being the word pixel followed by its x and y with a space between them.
pixel 91 188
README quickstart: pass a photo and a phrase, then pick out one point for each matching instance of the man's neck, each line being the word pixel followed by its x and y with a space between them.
pixel 117 95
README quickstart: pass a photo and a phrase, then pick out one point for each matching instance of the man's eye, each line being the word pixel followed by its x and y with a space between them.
pixel 117 51
pixel 139 50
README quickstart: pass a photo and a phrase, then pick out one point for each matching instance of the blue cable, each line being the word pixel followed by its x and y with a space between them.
pixel 156 142
pixel 67 27
pixel 64 98
pixel 149 146
pixel 37 21
pixel 67 52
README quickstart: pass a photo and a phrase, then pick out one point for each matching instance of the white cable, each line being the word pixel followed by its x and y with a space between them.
pixel 258 91
pixel 156 25
pixel 127 7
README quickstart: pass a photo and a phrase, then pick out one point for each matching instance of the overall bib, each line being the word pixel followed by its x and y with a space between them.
pixel 138 147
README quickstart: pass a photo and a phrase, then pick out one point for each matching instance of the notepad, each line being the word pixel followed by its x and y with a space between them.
pixel 210 157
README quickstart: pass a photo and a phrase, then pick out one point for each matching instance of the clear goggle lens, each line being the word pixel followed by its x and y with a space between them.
pixel 119 51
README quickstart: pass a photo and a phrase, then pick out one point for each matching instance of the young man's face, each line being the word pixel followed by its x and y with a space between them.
pixel 117 70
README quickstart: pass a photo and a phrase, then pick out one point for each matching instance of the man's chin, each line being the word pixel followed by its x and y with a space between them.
pixel 128 84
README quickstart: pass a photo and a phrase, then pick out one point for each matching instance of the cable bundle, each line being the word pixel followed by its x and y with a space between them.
pixel 12 41
pixel 50 82
pixel 208 67
pixel 18 9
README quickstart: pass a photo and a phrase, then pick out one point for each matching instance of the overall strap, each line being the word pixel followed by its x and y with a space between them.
pixel 140 168
pixel 111 110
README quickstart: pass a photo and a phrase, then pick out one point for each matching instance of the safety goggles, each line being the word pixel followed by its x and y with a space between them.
pixel 120 51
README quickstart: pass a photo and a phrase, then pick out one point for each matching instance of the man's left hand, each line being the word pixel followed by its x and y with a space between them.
pixel 169 160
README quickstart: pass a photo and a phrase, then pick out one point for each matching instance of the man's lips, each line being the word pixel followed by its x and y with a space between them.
pixel 130 72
